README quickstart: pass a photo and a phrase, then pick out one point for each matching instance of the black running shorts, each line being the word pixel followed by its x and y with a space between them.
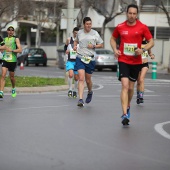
pixel 144 65
pixel 10 65
pixel 129 71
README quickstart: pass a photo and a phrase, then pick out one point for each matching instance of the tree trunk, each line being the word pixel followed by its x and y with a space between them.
pixel 103 31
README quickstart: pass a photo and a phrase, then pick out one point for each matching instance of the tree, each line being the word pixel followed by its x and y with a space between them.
pixel 106 8
pixel 165 10
pixel 9 11
pixel 83 11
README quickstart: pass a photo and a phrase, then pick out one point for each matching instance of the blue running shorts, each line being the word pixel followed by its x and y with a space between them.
pixel 89 68
pixel 70 66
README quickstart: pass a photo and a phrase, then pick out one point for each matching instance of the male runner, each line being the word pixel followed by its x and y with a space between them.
pixel 140 86
pixel 71 63
pixel 9 59
pixel 131 33
pixel 88 39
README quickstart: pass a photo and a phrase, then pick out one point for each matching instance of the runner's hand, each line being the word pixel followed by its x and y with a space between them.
pixel 138 51
pixel 67 51
pixel 117 53
pixel 75 48
pixel 8 49
pixel 152 56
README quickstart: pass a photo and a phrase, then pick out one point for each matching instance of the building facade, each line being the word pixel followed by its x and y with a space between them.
pixel 150 13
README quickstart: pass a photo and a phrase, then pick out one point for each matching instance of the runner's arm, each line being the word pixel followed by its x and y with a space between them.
pixel 2 44
pixel 149 45
pixel 152 56
pixel 75 45
pixel 19 48
pixel 114 46
pixel 66 44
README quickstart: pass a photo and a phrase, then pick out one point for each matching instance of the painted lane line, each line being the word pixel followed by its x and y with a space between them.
pixel 26 108
pixel 159 128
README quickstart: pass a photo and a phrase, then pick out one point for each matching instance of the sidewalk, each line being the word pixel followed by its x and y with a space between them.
pixel 160 69
pixel 37 89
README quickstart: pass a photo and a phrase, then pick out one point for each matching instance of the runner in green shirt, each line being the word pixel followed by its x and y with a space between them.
pixel 9 59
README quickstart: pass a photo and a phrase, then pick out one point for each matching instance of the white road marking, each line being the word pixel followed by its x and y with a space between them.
pixel 26 108
pixel 159 128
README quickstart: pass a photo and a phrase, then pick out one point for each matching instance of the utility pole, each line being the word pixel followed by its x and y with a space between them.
pixel 71 15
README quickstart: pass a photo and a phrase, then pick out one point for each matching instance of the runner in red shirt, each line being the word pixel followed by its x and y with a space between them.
pixel 131 33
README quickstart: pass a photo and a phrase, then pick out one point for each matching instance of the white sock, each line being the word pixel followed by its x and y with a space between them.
pixel 70 83
pixel 75 85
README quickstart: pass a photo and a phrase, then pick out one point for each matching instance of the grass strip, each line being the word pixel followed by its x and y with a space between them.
pixel 22 81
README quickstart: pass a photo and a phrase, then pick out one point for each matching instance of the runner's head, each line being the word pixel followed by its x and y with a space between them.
pixel 75 31
pixel 132 14
pixel 10 30
pixel 87 24
pixel 132 6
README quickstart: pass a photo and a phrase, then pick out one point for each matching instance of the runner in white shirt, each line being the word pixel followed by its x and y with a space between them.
pixel 88 39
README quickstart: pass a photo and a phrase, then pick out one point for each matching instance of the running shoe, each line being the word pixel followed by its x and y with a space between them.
pixel 89 97
pixel 80 103
pixel 1 94
pixel 14 93
pixel 128 112
pixel 125 119
pixel 141 97
pixel 74 94
pixel 69 93
pixel 141 100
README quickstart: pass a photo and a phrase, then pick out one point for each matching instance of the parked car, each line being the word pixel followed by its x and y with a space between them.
pixel 32 56
pixel 105 59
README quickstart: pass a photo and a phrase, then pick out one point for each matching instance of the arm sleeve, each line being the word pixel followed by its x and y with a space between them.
pixel 115 33
pixel 99 39
pixel 147 33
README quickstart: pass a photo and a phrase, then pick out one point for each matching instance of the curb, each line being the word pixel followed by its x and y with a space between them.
pixel 37 89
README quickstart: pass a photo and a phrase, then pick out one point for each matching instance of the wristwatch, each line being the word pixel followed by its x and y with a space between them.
pixel 94 46
pixel 143 49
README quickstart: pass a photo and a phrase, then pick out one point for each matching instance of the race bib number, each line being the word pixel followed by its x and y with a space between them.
pixel 86 59
pixel 8 56
pixel 145 54
pixel 129 49
pixel 73 54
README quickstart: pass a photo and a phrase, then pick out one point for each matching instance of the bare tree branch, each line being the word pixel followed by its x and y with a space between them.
pixel 162 7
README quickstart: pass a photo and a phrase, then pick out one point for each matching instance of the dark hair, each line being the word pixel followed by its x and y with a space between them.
pixel 132 6
pixel 86 19
pixel 76 29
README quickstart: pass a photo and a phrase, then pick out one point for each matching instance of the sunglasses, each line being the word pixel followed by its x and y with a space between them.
pixel 10 29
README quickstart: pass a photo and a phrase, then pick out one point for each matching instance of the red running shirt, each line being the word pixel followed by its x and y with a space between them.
pixel 131 38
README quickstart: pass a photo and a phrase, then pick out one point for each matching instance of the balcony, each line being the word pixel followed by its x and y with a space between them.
pixel 152 8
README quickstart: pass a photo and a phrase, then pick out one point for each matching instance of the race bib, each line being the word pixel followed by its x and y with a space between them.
pixel 145 54
pixel 86 59
pixel 8 56
pixel 129 49
pixel 73 54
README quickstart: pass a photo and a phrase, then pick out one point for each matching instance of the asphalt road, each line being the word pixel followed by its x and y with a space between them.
pixel 48 131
